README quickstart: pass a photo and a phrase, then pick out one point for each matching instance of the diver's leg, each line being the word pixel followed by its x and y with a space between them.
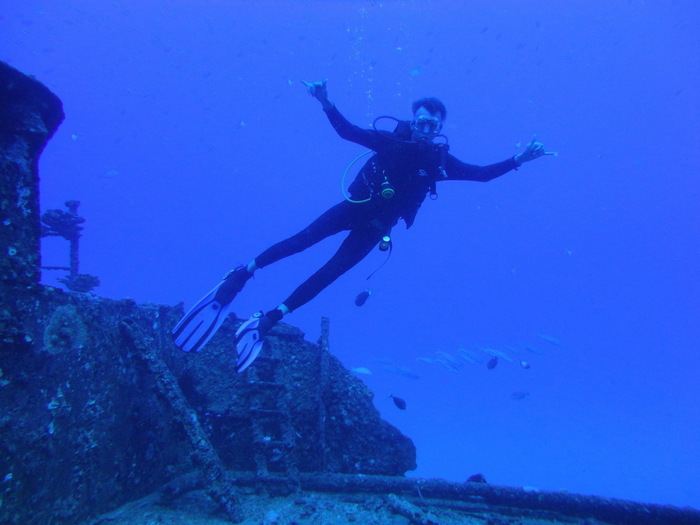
pixel 336 219
pixel 354 248
pixel 339 217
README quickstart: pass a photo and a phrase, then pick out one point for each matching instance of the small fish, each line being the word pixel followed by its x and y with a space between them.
pixel 361 370
pixel 447 364
pixel 400 403
pixel 525 364
pixel 449 358
pixel 519 395
pixel 362 297
pixel 491 363
pixel 550 339
pixel 497 353
pixel 488 350
pixel 473 357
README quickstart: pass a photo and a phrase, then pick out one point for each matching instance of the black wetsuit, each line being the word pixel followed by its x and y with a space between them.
pixel 410 168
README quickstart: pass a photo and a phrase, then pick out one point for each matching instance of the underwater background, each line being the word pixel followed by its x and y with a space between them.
pixel 193 146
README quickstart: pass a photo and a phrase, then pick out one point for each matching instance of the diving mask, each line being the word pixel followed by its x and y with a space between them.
pixel 426 124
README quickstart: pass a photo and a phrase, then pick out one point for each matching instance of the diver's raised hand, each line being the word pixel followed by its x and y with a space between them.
pixel 319 91
pixel 532 151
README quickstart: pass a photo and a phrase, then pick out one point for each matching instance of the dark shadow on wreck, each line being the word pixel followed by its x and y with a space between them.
pixel 105 421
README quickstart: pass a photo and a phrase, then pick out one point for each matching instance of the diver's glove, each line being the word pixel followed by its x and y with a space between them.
pixel 532 151
pixel 319 91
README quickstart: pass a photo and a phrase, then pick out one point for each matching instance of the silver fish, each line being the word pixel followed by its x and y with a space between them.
pixel 550 339
pixel 452 368
pixel 497 353
pixel 449 358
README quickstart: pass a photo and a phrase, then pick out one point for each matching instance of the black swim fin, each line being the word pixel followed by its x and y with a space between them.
pixel 204 318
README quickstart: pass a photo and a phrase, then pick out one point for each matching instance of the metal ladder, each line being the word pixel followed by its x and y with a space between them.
pixel 273 435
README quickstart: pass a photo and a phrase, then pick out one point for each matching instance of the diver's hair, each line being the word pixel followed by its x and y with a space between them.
pixel 431 104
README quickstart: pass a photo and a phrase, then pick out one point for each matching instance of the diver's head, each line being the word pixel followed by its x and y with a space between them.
pixel 428 115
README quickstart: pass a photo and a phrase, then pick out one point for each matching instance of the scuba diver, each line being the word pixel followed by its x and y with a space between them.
pixel 405 166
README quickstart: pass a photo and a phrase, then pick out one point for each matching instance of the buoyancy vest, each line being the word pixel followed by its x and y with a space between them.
pixel 411 168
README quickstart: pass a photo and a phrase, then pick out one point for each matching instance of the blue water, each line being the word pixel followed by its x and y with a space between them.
pixel 193 146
